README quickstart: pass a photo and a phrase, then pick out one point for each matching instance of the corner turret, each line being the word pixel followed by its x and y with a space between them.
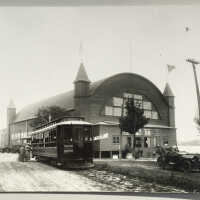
pixel 11 112
pixel 169 96
pixel 82 83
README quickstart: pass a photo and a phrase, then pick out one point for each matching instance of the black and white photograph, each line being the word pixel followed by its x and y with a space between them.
pixel 100 97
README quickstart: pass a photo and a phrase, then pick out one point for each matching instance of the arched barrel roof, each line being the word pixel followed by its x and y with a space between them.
pixel 66 100
pixel 137 80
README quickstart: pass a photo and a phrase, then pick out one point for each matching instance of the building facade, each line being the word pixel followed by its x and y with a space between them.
pixel 101 103
pixel 3 138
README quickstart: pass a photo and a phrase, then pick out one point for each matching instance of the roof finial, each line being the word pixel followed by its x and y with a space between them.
pixel 11 103
pixel 81 52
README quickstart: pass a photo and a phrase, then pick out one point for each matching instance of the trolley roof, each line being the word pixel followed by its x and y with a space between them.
pixel 71 122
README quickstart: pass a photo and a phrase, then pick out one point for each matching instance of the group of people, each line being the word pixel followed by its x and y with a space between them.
pixel 24 153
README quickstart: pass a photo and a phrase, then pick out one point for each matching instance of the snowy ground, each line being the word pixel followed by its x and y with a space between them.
pixel 35 176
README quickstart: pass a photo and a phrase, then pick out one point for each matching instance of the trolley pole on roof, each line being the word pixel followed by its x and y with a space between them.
pixel 194 63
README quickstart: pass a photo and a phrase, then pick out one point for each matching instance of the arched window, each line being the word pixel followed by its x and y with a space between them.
pixel 114 107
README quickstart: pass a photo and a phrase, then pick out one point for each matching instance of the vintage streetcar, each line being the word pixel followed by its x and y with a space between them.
pixel 67 143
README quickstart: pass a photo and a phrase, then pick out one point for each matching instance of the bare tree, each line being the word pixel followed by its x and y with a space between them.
pixel 47 114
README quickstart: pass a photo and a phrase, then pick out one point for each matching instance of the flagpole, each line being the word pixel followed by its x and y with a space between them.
pixel 167 74
pixel 81 52
pixel 131 54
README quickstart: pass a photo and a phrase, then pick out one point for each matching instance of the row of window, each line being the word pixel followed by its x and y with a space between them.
pixel 117 103
pixel 48 138
pixel 45 139
pixel 148 142
pixel 117 112
pixel 15 136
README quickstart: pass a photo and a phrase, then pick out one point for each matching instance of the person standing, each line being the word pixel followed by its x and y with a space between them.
pixel 21 157
pixel 27 152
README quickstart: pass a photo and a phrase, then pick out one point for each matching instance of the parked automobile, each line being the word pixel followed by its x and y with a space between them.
pixel 171 158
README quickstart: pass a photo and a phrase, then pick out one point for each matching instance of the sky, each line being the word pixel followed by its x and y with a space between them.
pixel 40 56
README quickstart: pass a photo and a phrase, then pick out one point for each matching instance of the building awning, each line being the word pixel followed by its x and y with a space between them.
pixel 155 126
pixel 107 123
pixel 158 126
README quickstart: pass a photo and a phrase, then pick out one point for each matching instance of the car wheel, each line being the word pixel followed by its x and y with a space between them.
pixel 186 166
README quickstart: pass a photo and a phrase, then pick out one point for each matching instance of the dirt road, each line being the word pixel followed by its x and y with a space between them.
pixel 35 176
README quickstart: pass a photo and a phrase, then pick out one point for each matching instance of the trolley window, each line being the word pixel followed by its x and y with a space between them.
pixel 50 138
pixel 67 136
pixel 87 132
pixel 82 134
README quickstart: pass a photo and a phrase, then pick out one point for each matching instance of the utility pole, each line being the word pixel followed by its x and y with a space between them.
pixel 194 63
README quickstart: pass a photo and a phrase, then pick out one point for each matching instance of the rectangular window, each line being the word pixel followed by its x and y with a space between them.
pixel 147 105
pixel 165 141
pixel 115 139
pixel 46 138
pixel 136 96
pixel 138 103
pixel 117 101
pixel 157 141
pixel 147 114
pixel 41 140
pixel 128 95
pixel 125 112
pixel 117 112
pixel 52 138
pixel 147 132
pixel 138 142
pixel 129 141
pixel 154 115
pixel 109 110
pixel 67 137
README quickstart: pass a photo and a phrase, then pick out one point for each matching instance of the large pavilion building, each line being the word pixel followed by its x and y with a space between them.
pixel 100 103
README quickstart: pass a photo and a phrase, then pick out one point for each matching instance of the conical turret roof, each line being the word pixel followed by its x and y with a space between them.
pixel 11 104
pixel 167 91
pixel 82 74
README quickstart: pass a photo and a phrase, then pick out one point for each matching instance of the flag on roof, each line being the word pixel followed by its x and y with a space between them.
pixel 170 68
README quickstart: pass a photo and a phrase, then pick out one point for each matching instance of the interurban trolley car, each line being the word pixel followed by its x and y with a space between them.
pixel 66 142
